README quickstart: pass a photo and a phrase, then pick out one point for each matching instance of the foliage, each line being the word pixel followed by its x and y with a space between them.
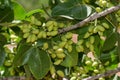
pixel 30 43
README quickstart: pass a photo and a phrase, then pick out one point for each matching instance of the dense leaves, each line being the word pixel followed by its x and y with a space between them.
pixel 38 50
pixel 6 11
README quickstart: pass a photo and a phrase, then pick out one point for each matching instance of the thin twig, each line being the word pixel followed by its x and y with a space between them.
pixel 46 10
pixel 108 73
pixel 90 18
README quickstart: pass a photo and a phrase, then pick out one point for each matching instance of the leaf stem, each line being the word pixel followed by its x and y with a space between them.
pixel 46 11
pixel 110 22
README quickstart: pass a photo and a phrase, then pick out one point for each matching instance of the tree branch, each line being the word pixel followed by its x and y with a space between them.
pixel 90 18
pixel 108 73
pixel 16 78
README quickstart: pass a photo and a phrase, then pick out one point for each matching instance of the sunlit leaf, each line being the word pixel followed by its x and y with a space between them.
pixel 19 11
pixel 30 13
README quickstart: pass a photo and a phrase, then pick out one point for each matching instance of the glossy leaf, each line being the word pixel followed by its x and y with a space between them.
pixel 72 10
pixel 24 51
pixel 19 11
pixel 6 11
pixel 110 42
pixel 71 59
pixel 39 63
pixel 62 9
pixel 81 11
pixel 2 55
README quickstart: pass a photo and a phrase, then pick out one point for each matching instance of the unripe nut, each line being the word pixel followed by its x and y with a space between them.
pixel 45 46
pixel 98 9
pixel 88 62
pixel 96 71
pixel 60 73
pixel 95 64
pixel 61 55
pixel 58 51
pixel 57 62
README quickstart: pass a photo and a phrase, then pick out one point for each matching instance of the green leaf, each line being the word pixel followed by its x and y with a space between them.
pixel 30 13
pixel 6 11
pixel 112 66
pixel 81 11
pixel 62 9
pixel 44 2
pixel 74 1
pixel 27 71
pixel 24 51
pixel 19 11
pixel 110 42
pixel 39 63
pixel 82 31
pixel 111 56
pixel 40 42
pixel 3 40
pixel 72 10
pixel 71 58
pixel 2 55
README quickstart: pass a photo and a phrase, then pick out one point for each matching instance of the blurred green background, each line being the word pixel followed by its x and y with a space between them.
pixel 33 4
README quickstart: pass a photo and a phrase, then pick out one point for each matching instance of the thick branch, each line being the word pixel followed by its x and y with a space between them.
pixel 108 73
pixel 90 18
